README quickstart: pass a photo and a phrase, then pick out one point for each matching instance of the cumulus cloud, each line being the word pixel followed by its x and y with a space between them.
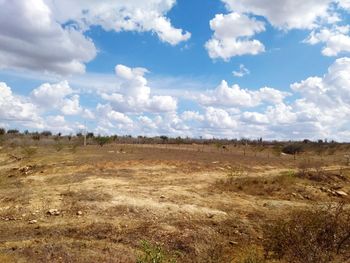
pixel 51 95
pixel 322 109
pixel 115 15
pixel 30 38
pixel 49 36
pixel 319 108
pixel 134 94
pixel 235 96
pixel 16 109
pixel 287 14
pixel 234 32
pixel 232 36
pixel 337 40
pixel 59 96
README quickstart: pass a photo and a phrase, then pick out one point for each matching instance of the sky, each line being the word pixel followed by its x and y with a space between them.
pixel 276 69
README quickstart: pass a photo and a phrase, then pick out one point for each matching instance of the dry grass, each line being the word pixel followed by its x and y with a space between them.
pixel 194 204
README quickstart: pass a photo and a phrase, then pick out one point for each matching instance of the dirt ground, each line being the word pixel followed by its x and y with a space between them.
pixel 199 203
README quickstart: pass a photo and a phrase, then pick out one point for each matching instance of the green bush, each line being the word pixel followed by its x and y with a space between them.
pixel 153 253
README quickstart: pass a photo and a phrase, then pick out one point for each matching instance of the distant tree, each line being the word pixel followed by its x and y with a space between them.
pixel 79 134
pixel 2 131
pixel 102 140
pixel 164 138
pixel 293 149
pixel 90 135
pixel 46 133
pixel 36 137
pixel 13 131
pixel 26 132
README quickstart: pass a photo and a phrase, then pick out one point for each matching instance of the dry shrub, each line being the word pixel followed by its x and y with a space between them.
pixel 259 185
pixel 313 170
pixel 314 236
pixel 4 258
pixel 250 254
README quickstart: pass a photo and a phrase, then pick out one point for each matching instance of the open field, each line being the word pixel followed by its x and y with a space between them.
pixel 196 203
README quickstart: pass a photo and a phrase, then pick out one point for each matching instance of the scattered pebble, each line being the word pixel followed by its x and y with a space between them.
pixel 53 212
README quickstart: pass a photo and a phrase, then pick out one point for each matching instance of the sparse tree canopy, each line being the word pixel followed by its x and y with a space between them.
pixel 13 131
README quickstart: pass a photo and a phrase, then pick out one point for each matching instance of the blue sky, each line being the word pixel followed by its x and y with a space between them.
pixel 230 68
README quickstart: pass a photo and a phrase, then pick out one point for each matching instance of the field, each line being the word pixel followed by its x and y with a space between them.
pixel 143 203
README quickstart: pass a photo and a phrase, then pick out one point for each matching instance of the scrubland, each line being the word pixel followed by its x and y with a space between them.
pixel 62 202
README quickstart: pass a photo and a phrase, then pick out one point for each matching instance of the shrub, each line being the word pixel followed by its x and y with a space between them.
pixel 13 131
pixel 29 151
pixel 153 253
pixel 36 137
pixel 102 140
pixel 90 135
pixel 314 236
pixel 46 133
pixel 2 131
pixel 250 254
pixel 292 149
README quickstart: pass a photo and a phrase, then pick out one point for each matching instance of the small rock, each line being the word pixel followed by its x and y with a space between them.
pixel 53 212
pixel 33 222
pixel 210 215
pixel 79 213
pixel 162 197
pixel 233 243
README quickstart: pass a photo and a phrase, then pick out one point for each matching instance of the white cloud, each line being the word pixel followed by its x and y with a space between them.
pixel 319 108
pixel 72 106
pixel 232 36
pixel 235 96
pixel 30 38
pixel 107 112
pixel 192 116
pixel 255 117
pixel 51 95
pixel 134 95
pixel 241 72
pixel 286 14
pixel 15 109
pixel 344 4
pixel 234 33
pixel 59 96
pixel 116 15
pixel 337 40
pixel 219 119
pixel 49 36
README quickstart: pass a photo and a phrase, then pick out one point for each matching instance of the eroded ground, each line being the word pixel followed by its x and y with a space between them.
pixel 97 204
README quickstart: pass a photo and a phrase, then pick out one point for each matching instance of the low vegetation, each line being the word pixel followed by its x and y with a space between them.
pixel 190 200
pixel 317 235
